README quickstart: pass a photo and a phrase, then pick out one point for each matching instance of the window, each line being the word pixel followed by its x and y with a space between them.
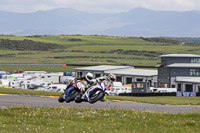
pixel 79 74
pixel 140 79
pixel 195 60
pixel 189 88
pixel 194 72
pixel 54 88
pixel 138 85
pixel 164 61
pixel 179 87
pixel 128 80
pixel 118 78
pixel 173 86
pixel 97 75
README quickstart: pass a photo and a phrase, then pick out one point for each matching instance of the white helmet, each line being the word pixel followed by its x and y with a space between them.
pixel 89 76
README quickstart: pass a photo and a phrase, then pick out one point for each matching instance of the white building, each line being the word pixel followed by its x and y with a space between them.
pixel 98 71
pixel 124 74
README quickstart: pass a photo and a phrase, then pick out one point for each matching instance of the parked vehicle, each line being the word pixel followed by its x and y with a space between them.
pixel 57 87
pixel 4 83
pixel 119 88
pixel 162 90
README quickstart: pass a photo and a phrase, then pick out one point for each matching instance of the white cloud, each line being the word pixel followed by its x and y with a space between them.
pixel 110 6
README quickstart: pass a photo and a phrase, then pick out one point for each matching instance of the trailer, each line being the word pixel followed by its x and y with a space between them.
pixel 162 90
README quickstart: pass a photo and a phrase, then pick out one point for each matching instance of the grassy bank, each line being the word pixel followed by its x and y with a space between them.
pixel 166 100
pixel 155 100
pixel 26 119
pixel 28 92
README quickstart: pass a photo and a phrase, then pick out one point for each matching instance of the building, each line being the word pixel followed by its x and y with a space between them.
pixel 124 74
pixel 130 74
pixel 97 71
pixel 181 71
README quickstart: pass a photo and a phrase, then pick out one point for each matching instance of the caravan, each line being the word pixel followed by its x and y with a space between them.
pixel 57 87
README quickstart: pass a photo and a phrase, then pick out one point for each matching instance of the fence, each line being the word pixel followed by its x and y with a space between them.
pixel 151 94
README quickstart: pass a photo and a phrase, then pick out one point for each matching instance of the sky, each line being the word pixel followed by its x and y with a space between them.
pixel 98 6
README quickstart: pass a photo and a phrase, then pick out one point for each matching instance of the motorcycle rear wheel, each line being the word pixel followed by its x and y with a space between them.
pixel 61 99
pixel 72 95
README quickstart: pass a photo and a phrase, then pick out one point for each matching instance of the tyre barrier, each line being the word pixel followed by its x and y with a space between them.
pixel 151 94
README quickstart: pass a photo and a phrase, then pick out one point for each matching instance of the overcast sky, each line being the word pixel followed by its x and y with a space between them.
pixel 98 6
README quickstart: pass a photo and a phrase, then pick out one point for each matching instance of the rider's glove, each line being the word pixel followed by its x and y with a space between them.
pixel 98 80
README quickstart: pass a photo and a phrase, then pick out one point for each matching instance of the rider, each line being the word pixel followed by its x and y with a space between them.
pixel 108 80
pixel 86 80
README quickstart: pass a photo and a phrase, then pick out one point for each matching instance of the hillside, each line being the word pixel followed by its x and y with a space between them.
pixel 27 45
pixel 136 22
pixel 79 49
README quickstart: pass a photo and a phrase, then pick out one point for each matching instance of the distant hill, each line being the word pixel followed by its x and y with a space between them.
pixel 137 22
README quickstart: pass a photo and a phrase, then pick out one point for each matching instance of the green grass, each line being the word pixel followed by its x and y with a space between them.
pixel 28 92
pixel 85 40
pixel 166 100
pixel 95 50
pixel 38 68
pixel 74 120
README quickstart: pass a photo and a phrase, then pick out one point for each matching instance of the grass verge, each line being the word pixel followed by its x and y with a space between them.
pixel 28 92
pixel 26 119
pixel 166 100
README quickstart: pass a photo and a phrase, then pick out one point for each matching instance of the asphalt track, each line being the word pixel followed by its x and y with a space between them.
pixel 37 101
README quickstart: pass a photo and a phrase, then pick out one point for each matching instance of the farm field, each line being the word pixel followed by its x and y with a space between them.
pixel 60 119
pixel 38 68
pixel 93 50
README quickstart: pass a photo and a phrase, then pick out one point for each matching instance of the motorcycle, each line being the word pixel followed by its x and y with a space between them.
pixel 72 91
pixel 93 94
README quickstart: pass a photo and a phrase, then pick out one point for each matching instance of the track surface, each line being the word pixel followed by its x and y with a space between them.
pixel 36 101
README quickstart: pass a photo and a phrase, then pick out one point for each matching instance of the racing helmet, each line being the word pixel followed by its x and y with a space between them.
pixel 111 77
pixel 89 76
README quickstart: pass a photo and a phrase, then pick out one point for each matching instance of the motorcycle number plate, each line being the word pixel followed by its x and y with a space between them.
pixel 79 85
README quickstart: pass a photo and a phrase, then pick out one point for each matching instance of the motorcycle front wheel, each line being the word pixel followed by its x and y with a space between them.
pixel 96 95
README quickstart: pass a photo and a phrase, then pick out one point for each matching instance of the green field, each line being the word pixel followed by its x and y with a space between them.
pixel 38 68
pixel 80 49
pixel 73 120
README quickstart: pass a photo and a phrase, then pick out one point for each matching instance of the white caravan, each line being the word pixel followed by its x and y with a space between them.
pixel 57 87
pixel 34 84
